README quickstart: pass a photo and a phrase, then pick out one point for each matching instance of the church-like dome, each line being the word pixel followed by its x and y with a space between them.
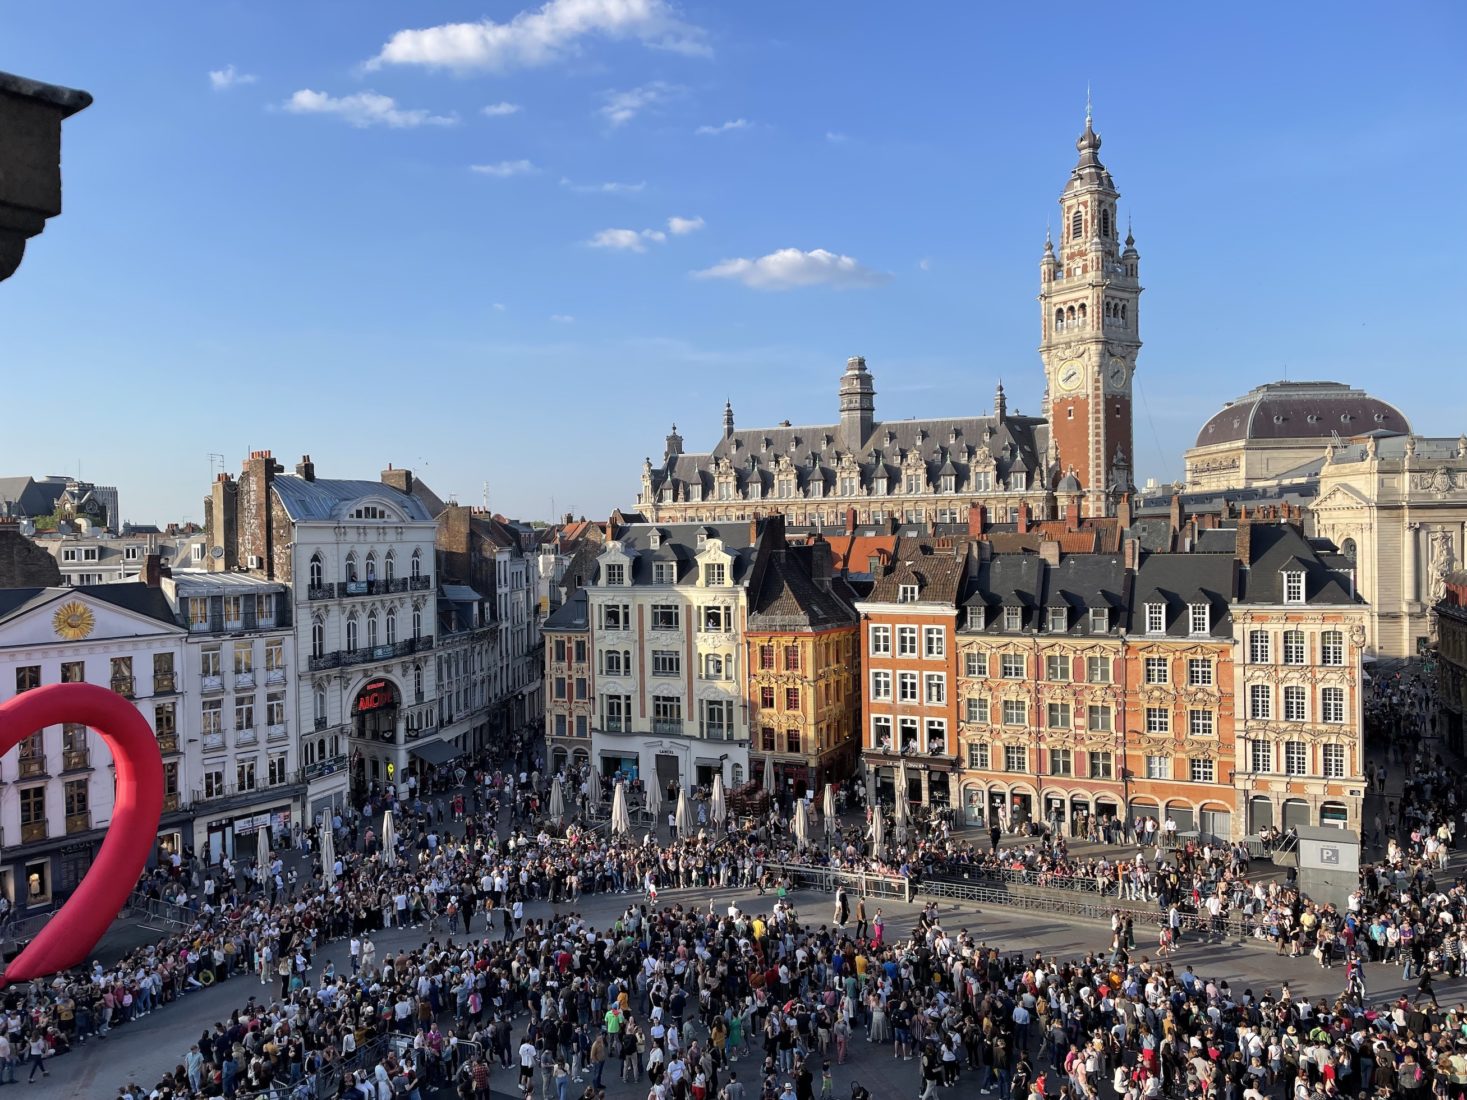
pixel 1302 410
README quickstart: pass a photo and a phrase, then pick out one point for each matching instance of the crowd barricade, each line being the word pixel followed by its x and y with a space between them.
pixel 160 915
pixel 868 884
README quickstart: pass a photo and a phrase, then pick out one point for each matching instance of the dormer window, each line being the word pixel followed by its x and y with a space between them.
pixel 949 483
pixel 907 593
pixel 664 572
pixel 702 539
pixel 1156 618
pixel 1294 586
pixel 1099 620
pixel 1059 620
pixel 1199 618
pixel 1013 618
pixel 715 574
pixel 616 574
pixel 654 540
pixel 975 618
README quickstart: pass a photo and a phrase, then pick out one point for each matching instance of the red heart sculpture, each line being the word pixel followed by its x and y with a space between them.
pixel 70 934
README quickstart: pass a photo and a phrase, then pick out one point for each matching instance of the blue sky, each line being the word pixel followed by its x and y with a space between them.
pixel 297 227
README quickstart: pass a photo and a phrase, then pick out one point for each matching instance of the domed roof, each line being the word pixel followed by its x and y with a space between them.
pixel 1302 410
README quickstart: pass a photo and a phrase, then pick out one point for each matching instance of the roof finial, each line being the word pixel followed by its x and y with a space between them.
pixel 1087 105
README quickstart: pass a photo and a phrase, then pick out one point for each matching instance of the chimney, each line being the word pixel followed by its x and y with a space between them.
pixel 401 480
pixel 850 521
pixel 1123 511
pixel 153 571
pixel 1225 509
pixel 976 520
pixel 305 469
pixel 1131 554
pixel 1244 549
pixel 753 531
pixel 1049 552
pixel 820 563
pixel 1072 513
pixel 1023 526
pixel 1176 513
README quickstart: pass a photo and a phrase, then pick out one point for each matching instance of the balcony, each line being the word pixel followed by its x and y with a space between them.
pixel 322 722
pixel 672 726
pixel 320 592
pixel 78 823
pixel 170 802
pixel 164 683
pixel 320 768
pixel 324 661
pixel 275 676
pixel 214 742
pixel 246 737
pixel 420 584
pixel 123 685
pixel 75 759
pixel 168 742
pixel 375 587
pixel 277 732
pixel 211 683
pixel 32 832
pixel 32 767
pixel 244 680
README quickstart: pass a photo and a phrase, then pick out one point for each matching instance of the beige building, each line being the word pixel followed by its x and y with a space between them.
pixel 1275 428
pixel 1397 507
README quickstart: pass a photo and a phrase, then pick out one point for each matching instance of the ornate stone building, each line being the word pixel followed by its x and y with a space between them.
pixel 940 470
pixel 1451 613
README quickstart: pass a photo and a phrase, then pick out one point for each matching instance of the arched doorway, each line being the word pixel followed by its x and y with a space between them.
pixel 374 710
pixel 1079 815
pixel 557 760
pixel 1182 814
pixel 1334 815
pixel 1216 823
pixel 1296 813
pixel 939 788
pixel 973 806
pixel 1260 813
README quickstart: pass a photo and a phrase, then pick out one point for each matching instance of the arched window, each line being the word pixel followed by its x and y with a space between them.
pixel 392 628
pixel 417 624
pixel 351 566
pixel 371 567
pixel 416 569
pixel 1059 318
pixel 389 567
pixel 1105 223
pixel 316 571
pixel 351 633
pixel 321 703
pixel 1347 549
pixel 1070 315
pixel 371 630
pixel 1082 313
pixel 321 749
pixel 1123 311
pixel 318 639
pixel 1077 224
pixel 418 682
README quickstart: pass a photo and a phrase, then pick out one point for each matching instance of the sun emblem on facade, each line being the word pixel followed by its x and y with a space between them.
pixel 73 621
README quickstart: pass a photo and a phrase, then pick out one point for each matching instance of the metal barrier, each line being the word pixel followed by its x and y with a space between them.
pixel 159 915
pixel 869 884
pixel 1231 925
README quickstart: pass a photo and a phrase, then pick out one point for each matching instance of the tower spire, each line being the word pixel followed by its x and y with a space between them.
pixel 1088 114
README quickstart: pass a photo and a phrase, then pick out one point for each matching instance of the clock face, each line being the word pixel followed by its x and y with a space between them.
pixel 1117 375
pixel 1070 377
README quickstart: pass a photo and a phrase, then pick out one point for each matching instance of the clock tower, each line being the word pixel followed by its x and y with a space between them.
pixel 1088 298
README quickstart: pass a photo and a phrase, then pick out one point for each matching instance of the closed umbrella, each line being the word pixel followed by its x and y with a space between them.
pixel 557 800
pixel 686 826
pixel 828 810
pixel 389 840
pixel 593 794
pixel 328 857
pixel 654 801
pixel 621 821
pixel 900 817
pixel 718 811
pixel 769 774
pixel 801 825
pixel 878 833
pixel 262 852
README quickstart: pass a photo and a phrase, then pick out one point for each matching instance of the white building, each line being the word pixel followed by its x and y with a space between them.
pixel 241 734
pixel 56 793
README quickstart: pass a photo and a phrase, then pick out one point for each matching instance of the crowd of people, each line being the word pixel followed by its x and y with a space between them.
pixel 709 1002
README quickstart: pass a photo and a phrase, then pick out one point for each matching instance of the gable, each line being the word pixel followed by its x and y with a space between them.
pixel 35 623
pixel 1340 497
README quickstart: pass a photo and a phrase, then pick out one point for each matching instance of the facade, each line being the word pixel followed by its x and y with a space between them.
pixel 910 688
pixel 50 501
pixel 1041 675
pixel 1275 428
pixel 570 683
pixel 57 798
pixel 101 557
pixel 666 611
pixel 940 470
pixel 1397 508
pixel 241 739
pixel 358 558
pixel 1451 614
pixel 803 664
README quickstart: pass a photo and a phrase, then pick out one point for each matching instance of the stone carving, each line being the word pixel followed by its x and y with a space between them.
pixel 1439 480
pixel 1443 557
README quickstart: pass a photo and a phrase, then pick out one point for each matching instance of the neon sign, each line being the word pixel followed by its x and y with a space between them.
pixel 376 695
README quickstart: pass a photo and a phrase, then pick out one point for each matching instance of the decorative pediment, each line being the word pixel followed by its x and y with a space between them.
pixel 1340 498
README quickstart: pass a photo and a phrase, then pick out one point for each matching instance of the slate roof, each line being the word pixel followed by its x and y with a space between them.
pixel 1009 446
pixel 678 542
pixel 25 496
pixel 571 617
pixel 1301 410
pixel 1079 583
pixel 332 498
pixel 1177 580
pixel 1279 546
pixel 132 596
pixel 784 594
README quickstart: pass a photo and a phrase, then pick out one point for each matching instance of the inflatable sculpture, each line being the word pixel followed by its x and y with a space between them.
pixel 70 934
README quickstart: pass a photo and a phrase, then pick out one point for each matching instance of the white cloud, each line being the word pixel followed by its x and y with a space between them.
pixel 835 137
pixel 621 107
pixel 731 124
pixel 223 79
pixel 504 169
pixel 363 109
pixel 924 264
pixel 562 318
pixel 790 267
pixel 683 226
pixel 498 307
pixel 499 110
pixel 626 240
pixel 609 188
pixel 540 37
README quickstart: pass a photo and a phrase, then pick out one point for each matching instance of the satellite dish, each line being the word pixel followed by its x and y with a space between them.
pixel 217 553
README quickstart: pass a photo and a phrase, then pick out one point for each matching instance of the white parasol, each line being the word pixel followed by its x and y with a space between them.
pixel 621 822
pixel 389 840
